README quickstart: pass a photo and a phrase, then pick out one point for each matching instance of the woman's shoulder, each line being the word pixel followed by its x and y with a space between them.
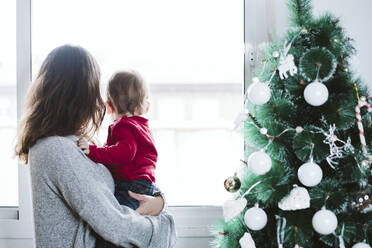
pixel 51 143
pixel 57 154
pixel 54 147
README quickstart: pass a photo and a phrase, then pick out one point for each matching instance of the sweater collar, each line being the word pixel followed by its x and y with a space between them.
pixel 136 118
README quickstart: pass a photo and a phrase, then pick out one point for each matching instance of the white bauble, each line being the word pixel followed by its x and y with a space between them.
pixel 310 174
pixel 316 93
pixel 258 93
pixel 324 222
pixel 255 218
pixel 259 163
pixel 361 245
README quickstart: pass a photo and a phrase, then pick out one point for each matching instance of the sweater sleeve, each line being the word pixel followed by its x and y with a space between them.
pixel 96 205
pixel 120 153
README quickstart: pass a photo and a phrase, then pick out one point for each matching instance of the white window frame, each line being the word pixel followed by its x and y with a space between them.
pixel 195 222
pixel 192 222
pixel 16 222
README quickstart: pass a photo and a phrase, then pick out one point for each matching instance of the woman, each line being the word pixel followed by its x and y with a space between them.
pixel 73 198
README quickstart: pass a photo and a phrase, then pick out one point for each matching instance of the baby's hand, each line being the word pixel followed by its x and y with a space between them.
pixel 84 145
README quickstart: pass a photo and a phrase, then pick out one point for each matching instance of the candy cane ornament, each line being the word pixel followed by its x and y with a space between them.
pixel 362 103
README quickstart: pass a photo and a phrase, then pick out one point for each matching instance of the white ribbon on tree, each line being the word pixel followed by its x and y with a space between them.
pixel 280 230
pixel 340 237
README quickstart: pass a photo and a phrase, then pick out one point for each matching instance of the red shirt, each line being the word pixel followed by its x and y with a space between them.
pixel 130 152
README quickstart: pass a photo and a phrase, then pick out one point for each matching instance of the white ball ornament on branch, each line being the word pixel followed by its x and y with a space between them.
pixel 316 93
pixel 324 221
pixel 361 245
pixel 258 93
pixel 259 163
pixel 310 174
pixel 318 63
pixel 255 218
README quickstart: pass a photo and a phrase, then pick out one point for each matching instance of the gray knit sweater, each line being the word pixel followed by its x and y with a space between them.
pixel 73 199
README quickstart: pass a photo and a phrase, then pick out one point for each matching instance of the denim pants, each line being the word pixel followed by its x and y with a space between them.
pixel 139 186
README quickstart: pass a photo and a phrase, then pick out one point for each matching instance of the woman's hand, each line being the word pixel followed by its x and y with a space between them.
pixel 148 205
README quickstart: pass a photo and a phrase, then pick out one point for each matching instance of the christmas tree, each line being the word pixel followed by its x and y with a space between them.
pixel 305 179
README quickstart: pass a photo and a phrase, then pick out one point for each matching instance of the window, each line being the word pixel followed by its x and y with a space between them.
pixel 191 54
pixel 8 105
pixel 15 195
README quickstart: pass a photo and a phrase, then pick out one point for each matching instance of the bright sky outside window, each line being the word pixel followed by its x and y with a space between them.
pixel 8 104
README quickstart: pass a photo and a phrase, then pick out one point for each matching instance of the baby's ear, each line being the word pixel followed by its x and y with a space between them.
pixel 109 107
pixel 147 106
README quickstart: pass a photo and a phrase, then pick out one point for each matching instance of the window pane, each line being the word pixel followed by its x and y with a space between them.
pixel 8 104
pixel 191 54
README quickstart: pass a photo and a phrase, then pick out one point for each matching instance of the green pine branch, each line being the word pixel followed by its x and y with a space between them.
pixel 300 12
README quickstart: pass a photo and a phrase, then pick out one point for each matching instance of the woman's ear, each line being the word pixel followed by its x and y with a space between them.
pixel 109 107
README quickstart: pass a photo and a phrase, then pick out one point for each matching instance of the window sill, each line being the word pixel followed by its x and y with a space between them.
pixel 195 221
pixel 9 213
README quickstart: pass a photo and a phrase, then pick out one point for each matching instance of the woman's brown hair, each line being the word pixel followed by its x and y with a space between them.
pixel 64 99
pixel 127 93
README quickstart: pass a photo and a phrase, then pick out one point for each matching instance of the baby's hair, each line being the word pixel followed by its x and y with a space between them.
pixel 127 92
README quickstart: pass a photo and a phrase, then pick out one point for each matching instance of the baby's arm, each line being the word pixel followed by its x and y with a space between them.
pixel 120 153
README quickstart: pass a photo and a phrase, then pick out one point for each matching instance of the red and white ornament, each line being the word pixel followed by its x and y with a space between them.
pixel 362 103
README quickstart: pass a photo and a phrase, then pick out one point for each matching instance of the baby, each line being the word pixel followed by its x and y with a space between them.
pixel 129 153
